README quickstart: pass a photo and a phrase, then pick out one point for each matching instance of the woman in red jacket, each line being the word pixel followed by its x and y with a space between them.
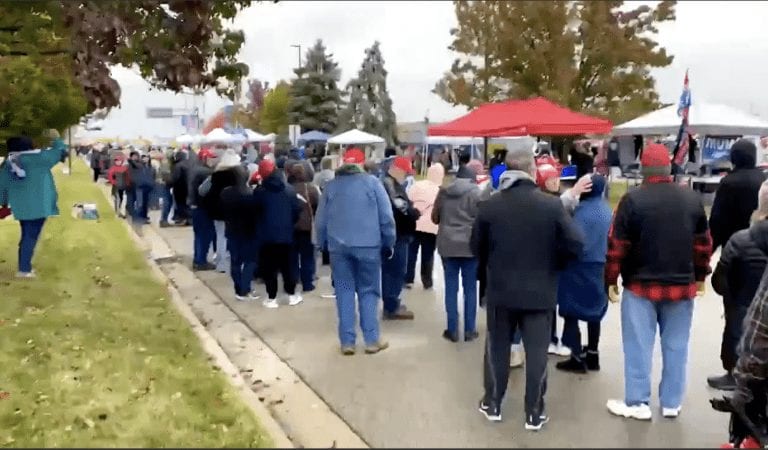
pixel 120 179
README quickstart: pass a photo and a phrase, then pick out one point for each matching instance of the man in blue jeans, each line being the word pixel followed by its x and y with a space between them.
pixel 393 268
pixel 202 225
pixel 660 244
pixel 354 223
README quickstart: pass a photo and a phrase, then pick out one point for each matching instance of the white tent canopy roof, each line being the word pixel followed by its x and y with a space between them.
pixel 704 118
pixel 352 137
pixel 252 136
pixel 219 136
pixel 185 139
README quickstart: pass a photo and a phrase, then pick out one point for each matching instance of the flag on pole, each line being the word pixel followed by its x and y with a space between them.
pixel 683 108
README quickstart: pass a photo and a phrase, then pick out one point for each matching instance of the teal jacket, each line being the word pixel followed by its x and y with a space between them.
pixel 35 196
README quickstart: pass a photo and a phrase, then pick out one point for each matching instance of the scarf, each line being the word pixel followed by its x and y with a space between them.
pixel 15 167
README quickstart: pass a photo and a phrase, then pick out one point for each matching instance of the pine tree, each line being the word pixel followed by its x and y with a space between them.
pixel 315 95
pixel 369 107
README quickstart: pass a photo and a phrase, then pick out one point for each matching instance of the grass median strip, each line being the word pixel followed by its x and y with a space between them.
pixel 93 353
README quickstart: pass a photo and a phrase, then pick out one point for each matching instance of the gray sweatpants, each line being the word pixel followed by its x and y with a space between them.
pixel 535 327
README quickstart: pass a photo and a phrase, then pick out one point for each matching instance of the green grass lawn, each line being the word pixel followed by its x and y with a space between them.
pixel 93 353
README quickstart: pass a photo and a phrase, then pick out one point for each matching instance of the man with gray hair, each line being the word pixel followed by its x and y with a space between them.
pixel 533 238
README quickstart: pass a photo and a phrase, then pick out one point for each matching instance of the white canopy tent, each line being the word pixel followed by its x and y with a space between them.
pixel 185 139
pixel 219 136
pixel 353 137
pixel 704 119
pixel 252 136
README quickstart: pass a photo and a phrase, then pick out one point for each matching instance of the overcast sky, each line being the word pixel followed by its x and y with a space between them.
pixel 720 42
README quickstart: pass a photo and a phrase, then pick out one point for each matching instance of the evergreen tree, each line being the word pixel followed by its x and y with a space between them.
pixel 369 107
pixel 315 95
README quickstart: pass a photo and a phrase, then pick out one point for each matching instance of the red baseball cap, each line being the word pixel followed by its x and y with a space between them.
pixel 266 167
pixel 404 164
pixel 354 156
pixel 205 153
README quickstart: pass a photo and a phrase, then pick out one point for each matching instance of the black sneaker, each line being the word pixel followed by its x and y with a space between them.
pixel 164 224
pixel 592 358
pixel 490 411
pixel 573 365
pixel 453 337
pixel 536 422
pixel 203 267
pixel 722 383
pixel 470 336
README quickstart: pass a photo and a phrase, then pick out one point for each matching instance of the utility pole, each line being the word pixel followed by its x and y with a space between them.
pixel 298 47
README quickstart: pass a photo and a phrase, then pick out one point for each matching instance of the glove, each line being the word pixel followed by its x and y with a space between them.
pixel 613 293
pixel 5 211
pixel 387 253
pixel 701 288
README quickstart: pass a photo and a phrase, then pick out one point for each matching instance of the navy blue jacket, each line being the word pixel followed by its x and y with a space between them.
pixel 280 209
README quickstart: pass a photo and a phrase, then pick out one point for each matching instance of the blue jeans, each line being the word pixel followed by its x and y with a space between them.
pixel 639 318
pixel 393 275
pixel 243 253
pixel 357 270
pixel 468 269
pixel 130 201
pixel 143 198
pixel 167 197
pixel 204 235
pixel 30 233
pixel 303 260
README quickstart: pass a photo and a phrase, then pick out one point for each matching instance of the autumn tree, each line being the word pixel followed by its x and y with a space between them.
pixel 173 43
pixel 369 107
pixel 590 56
pixel 247 115
pixel 275 112
pixel 315 95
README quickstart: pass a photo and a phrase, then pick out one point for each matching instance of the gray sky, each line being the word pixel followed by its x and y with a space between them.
pixel 720 42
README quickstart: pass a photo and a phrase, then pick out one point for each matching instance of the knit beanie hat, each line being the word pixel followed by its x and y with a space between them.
pixel 655 161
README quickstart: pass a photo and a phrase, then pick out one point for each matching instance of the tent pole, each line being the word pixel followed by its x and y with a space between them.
pixel 485 151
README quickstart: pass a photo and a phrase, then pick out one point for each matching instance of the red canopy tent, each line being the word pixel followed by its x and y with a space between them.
pixel 536 116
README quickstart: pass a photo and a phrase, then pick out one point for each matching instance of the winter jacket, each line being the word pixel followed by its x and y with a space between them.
pixel 240 211
pixel 310 198
pixel 402 207
pixel 585 163
pixel 35 196
pixel 141 175
pixel 196 177
pixel 736 197
pixel 220 180
pixel 423 195
pixel 280 209
pixel 180 176
pixel 523 252
pixel 742 264
pixel 454 213
pixel 354 212
pixel 119 176
pixel 593 217
pixel 659 241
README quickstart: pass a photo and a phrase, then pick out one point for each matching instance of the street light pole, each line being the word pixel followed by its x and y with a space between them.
pixel 298 47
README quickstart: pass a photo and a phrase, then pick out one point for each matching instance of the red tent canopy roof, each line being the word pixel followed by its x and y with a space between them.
pixel 536 116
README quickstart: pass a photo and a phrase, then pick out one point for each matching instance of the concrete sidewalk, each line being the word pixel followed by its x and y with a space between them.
pixel 423 391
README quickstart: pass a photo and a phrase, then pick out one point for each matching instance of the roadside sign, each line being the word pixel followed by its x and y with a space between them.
pixel 159 113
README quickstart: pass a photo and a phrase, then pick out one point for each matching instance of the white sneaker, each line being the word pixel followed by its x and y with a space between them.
pixel 253 296
pixel 295 299
pixel 26 274
pixel 639 412
pixel 241 298
pixel 670 413
pixel 562 350
pixel 270 303
pixel 516 359
pixel 552 349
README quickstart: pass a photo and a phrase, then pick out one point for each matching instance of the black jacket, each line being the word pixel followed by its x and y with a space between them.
pixel 179 176
pixel 402 207
pixel 220 180
pixel 742 264
pixel 240 212
pixel 523 237
pixel 736 197
pixel 280 209
pixel 197 175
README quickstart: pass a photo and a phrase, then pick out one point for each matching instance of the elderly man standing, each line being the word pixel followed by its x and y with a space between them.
pixel 660 244
pixel 354 223
pixel 522 237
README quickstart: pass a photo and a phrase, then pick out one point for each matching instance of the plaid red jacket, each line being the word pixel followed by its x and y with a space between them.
pixel 622 238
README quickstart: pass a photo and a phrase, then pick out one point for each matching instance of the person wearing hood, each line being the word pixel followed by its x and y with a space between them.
pixel 203 229
pixel 303 253
pixel 280 210
pixel 581 288
pixel 736 277
pixel 27 189
pixel 454 213
pixel 355 224
pixel 228 172
pixel 523 254
pixel 182 165
pixel 423 194
pixel 736 196
pixel 393 269
pixel 660 245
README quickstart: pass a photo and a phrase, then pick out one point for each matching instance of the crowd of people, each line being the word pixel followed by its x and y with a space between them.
pixel 271 216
